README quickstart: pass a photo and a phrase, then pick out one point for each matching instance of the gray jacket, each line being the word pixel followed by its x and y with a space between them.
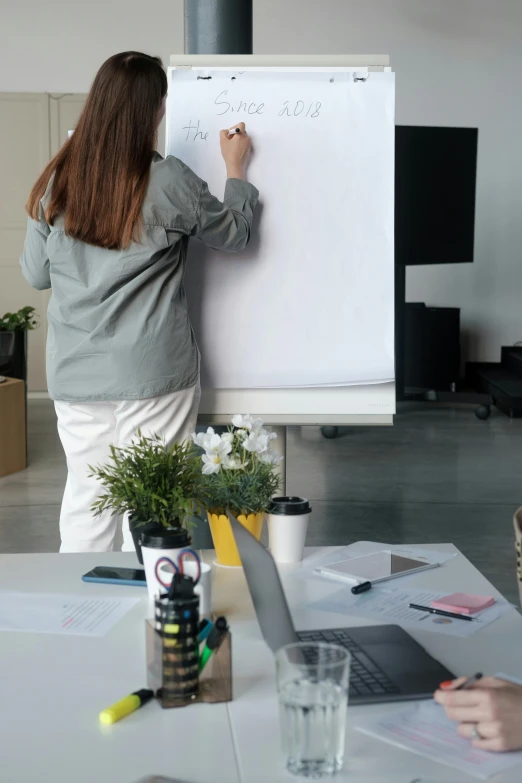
pixel 119 327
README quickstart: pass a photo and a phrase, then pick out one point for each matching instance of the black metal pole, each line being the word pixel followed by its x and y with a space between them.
pixel 218 26
pixel 400 317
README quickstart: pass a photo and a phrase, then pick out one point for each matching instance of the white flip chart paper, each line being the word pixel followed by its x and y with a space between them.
pixel 310 302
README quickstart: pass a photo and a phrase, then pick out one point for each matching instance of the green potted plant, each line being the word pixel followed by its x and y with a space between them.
pixel 13 341
pixel 156 485
pixel 239 473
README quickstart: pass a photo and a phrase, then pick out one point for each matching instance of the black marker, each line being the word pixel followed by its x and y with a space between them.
pixel 470 681
pixel 214 639
pixel 234 130
pixel 362 587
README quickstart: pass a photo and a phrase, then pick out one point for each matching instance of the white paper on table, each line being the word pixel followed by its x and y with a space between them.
pixel 509 677
pixel 61 613
pixel 425 730
pixel 361 548
pixel 391 605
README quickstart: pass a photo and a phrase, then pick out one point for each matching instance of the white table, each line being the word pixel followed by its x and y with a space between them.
pixel 53 688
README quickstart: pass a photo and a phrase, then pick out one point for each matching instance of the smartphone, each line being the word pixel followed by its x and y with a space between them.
pixel 116 576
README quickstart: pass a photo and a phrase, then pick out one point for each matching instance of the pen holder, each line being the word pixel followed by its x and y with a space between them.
pixel 170 673
pixel 176 625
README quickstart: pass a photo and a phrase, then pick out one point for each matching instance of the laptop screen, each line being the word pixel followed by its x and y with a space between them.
pixel 264 584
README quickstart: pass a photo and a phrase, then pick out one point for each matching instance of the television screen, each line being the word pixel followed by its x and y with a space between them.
pixel 435 184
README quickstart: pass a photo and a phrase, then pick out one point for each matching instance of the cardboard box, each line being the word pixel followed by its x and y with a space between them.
pixel 13 455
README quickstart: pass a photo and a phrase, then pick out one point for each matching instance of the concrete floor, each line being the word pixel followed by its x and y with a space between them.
pixel 436 476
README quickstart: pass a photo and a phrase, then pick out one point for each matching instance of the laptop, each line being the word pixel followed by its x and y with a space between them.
pixel 387 664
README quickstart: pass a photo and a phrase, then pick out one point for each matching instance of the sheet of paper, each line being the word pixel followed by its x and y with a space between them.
pixel 360 548
pixel 509 677
pixel 350 293
pixel 71 615
pixel 390 604
pixel 424 729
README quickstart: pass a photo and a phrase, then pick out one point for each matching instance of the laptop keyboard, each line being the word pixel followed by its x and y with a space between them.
pixel 366 679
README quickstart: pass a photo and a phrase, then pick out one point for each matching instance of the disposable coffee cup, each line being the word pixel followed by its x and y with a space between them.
pixel 287 525
pixel 156 545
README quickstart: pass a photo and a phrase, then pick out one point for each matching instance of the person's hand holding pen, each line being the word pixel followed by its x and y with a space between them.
pixel 489 711
pixel 235 148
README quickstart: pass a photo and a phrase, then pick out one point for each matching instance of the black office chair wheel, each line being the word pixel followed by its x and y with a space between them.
pixel 330 432
pixel 483 412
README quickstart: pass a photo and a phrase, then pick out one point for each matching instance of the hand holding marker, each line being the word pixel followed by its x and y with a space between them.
pixel 235 148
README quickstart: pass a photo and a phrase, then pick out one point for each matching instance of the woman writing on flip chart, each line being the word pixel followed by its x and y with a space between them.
pixel 108 230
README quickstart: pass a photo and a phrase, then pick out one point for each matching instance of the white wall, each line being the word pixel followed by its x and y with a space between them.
pixel 57 45
pixel 458 62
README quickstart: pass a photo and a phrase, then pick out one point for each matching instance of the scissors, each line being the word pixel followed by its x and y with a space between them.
pixel 177 567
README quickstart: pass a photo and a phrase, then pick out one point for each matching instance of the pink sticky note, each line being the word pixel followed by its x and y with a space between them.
pixel 463 603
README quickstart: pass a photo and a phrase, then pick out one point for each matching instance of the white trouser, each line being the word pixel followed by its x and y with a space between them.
pixel 86 430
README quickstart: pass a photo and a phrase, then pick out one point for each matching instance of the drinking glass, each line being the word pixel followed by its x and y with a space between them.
pixel 313 681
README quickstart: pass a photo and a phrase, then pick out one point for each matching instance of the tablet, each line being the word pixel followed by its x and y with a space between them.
pixel 374 568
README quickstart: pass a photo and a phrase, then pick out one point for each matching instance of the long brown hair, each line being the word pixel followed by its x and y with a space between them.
pixel 101 173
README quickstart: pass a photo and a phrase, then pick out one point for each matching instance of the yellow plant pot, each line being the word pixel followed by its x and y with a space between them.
pixel 223 537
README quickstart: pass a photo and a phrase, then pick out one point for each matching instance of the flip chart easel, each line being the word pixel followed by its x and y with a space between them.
pixel 369 404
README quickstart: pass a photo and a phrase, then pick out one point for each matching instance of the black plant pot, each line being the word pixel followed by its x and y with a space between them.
pixel 13 354
pixel 138 529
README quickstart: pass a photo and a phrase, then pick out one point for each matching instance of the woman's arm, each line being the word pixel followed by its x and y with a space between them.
pixel 34 260
pixel 226 225
pixel 492 707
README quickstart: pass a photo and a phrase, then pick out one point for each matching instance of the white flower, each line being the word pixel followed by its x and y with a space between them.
pixel 247 422
pixel 258 442
pixel 202 439
pixel 270 458
pixel 216 448
pixel 216 456
pixel 242 421
pixel 233 462
pixel 211 464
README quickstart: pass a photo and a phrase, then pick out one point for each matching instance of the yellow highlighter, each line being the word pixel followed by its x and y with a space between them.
pixel 125 706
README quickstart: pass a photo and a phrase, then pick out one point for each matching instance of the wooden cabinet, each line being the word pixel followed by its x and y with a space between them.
pixel 13 455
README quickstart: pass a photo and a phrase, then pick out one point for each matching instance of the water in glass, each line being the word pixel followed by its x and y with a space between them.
pixel 313 719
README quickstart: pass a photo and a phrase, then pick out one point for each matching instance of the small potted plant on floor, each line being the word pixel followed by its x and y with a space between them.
pixel 239 474
pixel 13 342
pixel 156 485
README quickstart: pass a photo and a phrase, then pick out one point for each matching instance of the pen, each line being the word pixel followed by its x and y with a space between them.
pixel 234 130
pixel 215 638
pixel 470 681
pixel 362 587
pixel 125 706
pixel 431 610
